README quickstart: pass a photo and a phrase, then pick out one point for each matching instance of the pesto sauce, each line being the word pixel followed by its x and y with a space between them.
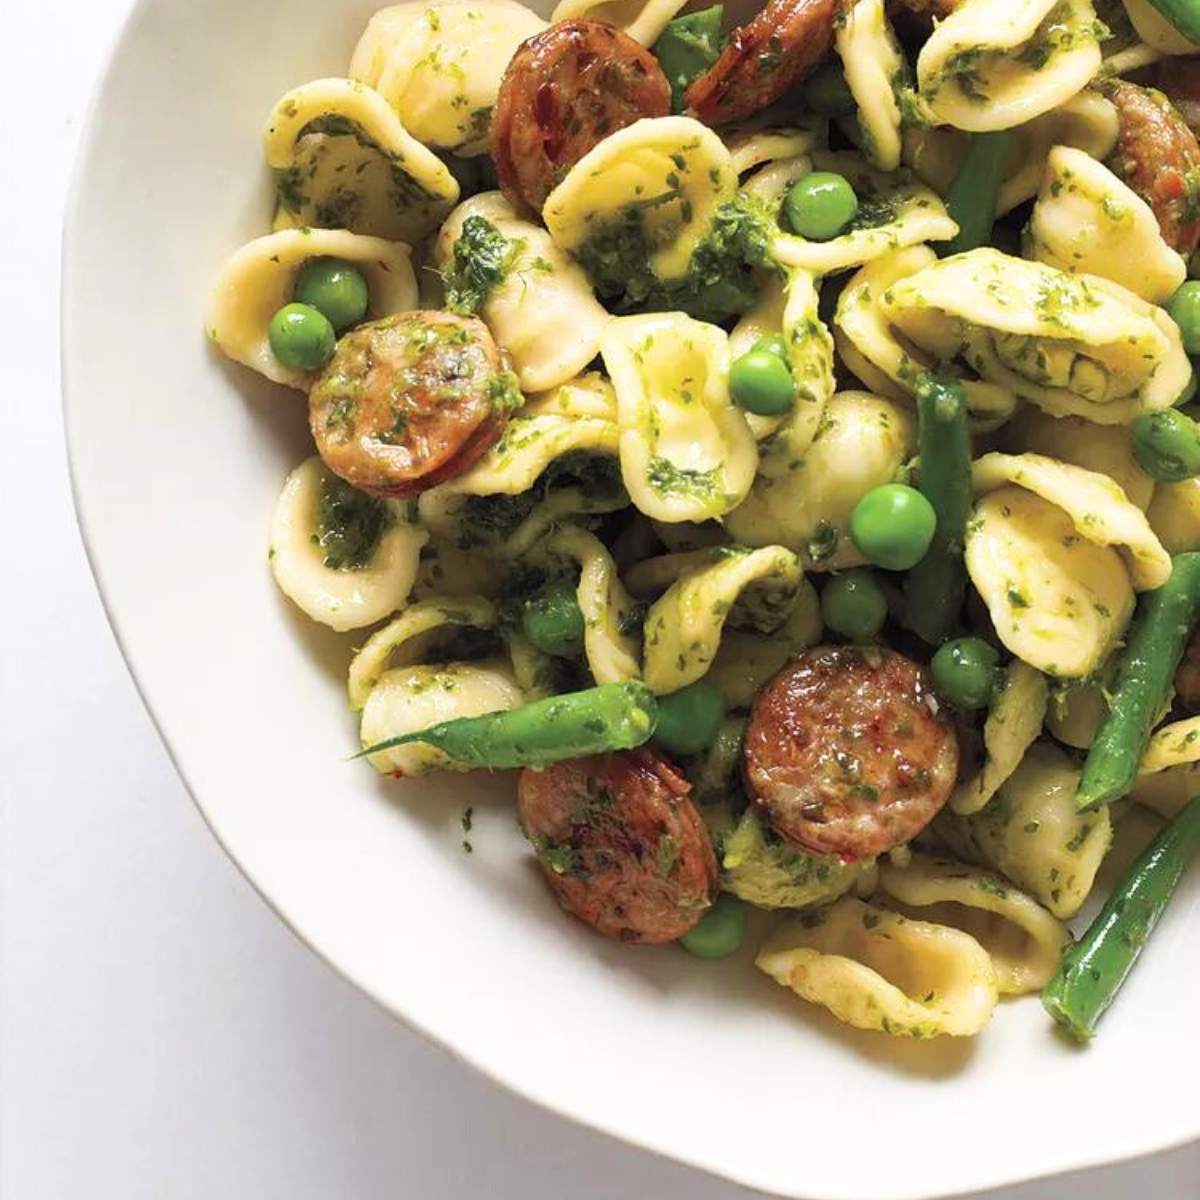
pixel 480 261
pixel 350 525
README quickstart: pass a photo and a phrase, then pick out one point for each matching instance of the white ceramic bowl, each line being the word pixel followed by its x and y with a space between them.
pixel 177 458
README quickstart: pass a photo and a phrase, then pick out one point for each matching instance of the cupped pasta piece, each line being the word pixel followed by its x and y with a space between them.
pixel 876 969
pixel 1013 724
pixel 1074 345
pixel 763 320
pixel 1022 939
pixel 664 176
pixel 754 143
pixel 894 210
pixel 1058 601
pixel 682 630
pixel 1087 121
pixel 770 183
pixel 345 558
pixel 536 673
pixel 543 311
pixel 447 569
pixel 257 280
pixel 882 358
pixel 1169 775
pixel 1032 832
pixel 1156 31
pixel 1076 710
pixel 687 453
pixel 380 36
pixel 861 442
pixel 344 160
pixel 410 698
pixel 747 661
pixel 557 456
pixel 405 636
pixel 761 868
pixel 1098 508
pixel 993 64
pixel 1174 515
pixel 1104 449
pixel 875 70
pixel 609 613
pixel 642 20
pixel 1086 219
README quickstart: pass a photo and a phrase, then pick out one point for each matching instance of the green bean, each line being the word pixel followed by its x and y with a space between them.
pixel 1143 682
pixel 935 587
pixel 1184 15
pixel 1093 970
pixel 613 716
pixel 975 191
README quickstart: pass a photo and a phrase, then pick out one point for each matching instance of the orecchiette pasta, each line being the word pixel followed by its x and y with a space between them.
pixel 419 619
pixel 1058 601
pixel 1156 31
pixel 1033 833
pixel 508 498
pixel 665 175
pixel 862 441
pixel 1104 449
pixel 343 159
pixel 543 312
pixel 1087 121
pixel 608 611
pixel 894 210
pixel 754 144
pixel 875 69
pixel 1013 724
pixel 442 70
pixel 993 64
pixel 256 280
pixel 642 20
pixel 762 869
pixel 1022 939
pixel 683 627
pixel 687 453
pixel 1174 515
pixel 1086 219
pixel 341 594
pixel 876 969
pixel 409 698
pixel 1170 769
pixel 1071 344
pixel 878 354
pixel 1098 508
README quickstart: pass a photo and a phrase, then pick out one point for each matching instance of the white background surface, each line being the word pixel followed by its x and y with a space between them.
pixel 161 1035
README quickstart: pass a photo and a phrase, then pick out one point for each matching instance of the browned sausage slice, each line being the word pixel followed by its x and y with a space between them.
pixel 1159 157
pixel 1179 77
pixel 410 401
pixel 566 89
pixel 764 59
pixel 846 751
pixel 620 843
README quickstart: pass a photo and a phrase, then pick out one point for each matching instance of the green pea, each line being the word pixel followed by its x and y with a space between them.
pixel 854 605
pixel 965 672
pixel 720 931
pixel 1184 308
pixel 689 719
pixel 893 526
pixel 827 93
pixel 773 343
pixel 1166 445
pixel 820 205
pixel 333 287
pixel 553 621
pixel 760 382
pixel 301 337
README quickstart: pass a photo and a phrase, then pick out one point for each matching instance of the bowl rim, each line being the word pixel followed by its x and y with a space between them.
pixel 992 1175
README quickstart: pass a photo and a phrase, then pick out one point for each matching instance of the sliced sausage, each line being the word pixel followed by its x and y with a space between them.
pixel 1158 156
pixel 1187 676
pixel 410 401
pixel 764 59
pixel 620 843
pixel 566 89
pixel 1179 78
pixel 847 753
